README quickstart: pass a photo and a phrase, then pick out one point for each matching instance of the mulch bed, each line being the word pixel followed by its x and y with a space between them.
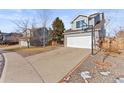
pixel 95 65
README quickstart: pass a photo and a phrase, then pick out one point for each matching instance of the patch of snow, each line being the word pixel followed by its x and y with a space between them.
pixel 85 74
pixel 105 73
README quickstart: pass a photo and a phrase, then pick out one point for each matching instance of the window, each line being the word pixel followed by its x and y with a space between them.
pixel 80 24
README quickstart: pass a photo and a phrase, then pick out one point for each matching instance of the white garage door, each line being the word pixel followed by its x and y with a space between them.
pixel 79 42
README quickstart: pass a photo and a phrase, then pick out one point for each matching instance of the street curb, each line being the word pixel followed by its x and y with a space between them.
pixel 73 69
pixel 4 69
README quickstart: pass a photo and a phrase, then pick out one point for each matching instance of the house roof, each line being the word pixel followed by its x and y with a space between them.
pixel 24 38
pixel 36 29
pixel 92 15
pixel 78 16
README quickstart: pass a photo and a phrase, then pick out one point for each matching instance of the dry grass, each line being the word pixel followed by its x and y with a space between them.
pixel 103 65
pixel 2 46
pixel 24 51
pixel 9 46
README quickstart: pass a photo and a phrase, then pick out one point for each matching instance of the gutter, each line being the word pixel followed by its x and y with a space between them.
pixel 78 32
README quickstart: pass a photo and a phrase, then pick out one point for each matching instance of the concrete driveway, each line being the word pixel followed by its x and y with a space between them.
pixel 52 66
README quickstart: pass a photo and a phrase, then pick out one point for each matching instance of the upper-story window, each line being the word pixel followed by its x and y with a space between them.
pixel 80 24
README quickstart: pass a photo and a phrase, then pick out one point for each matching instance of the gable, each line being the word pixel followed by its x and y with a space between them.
pixel 78 17
pixel 79 22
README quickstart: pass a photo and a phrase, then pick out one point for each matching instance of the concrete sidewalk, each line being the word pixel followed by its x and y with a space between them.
pixel 54 65
pixel 49 67
pixel 18 70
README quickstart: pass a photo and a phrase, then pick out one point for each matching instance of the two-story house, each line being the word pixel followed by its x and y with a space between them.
pixel 34 37
pixel 80 34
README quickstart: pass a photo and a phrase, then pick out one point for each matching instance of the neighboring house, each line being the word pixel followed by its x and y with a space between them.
pixel 34 37
pixel 80 34
pixel 10 38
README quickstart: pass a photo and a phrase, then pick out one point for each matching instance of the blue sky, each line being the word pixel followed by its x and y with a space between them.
pixel 7 17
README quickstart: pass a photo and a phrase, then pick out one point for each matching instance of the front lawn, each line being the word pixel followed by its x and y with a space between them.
pixel 24 51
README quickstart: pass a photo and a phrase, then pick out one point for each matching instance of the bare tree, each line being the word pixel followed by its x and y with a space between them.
pixel 22 25
pixel 44 18
pixel 33 23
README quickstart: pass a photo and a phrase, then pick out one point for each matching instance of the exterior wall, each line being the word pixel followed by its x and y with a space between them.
pixel 101 16
pixel 23 43
pixel 39 37
pixel 73 24
pixel 65 40
pixel 28 33
pixel 36 36
pixel 102 33
pixel 96 38
pixel 92 21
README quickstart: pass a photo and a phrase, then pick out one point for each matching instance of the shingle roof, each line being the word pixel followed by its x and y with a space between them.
pixel 90 16
pixel 78 16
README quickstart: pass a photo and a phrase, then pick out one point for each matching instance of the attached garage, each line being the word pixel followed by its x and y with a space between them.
pixel 78 40
pixel 79 35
